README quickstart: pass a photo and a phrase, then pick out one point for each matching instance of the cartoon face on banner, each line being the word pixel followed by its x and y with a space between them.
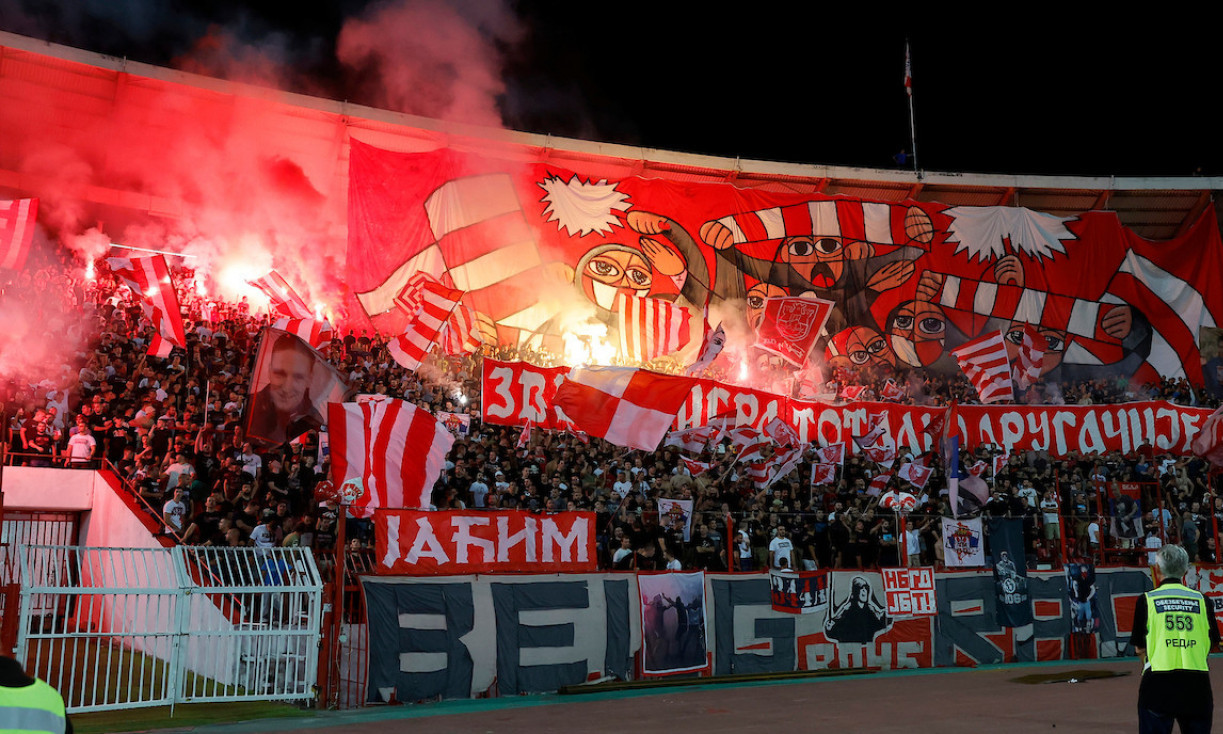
pixel 857 615
pixel 910 280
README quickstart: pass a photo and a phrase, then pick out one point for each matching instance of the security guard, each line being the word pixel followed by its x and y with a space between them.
pixel 1174 630
pixel 28 705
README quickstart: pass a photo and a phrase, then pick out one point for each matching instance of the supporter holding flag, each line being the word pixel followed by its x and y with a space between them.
pixel 151 285
pixel 284 300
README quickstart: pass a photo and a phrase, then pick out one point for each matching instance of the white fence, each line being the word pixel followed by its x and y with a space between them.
pixel 150 627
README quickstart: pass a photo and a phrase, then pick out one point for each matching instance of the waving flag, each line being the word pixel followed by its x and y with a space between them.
pixel 17 220
pixel 854 392
pixel 878 484
pixel 1031 357
pixel 789 326
pixel 781 432
pixel 437 302
pixel 395 449
pixel 651 327
pixel 892 391
pixel 1208 443
pixel 902 502
pixel 711 347
pixel 1000 463
pixel 627 407
pixel 149 279
pixel 690 439
pixel 524 438
pixel 986 366
pixel 462 332
pixel 284 300
pixel 696 468
pixel 883 454
pixel 314 332
pixel 915 474
pixel 831 454
pixel 751 443
pixel 823 474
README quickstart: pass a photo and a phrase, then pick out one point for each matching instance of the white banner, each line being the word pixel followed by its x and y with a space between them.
pixel 963 543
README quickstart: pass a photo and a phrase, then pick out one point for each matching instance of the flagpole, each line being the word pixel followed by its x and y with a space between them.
pixel 909 90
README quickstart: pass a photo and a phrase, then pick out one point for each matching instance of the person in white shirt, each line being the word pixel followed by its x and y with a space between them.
pixel 1027 493
pixel 1152 543
pixel 673 563
pixel 625 550
pixel 264 534
pixel 781 546
pixel 479 491
pixel 81 445
pixel 174 512
pixel 1049 514
pixel 622 486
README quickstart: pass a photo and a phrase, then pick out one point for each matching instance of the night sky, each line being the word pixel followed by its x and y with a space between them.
pixel 1024 94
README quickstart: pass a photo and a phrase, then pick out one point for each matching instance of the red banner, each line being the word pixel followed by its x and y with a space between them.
pixel 791 325
pixel 513 393
pixel 419 543
pixel 516 391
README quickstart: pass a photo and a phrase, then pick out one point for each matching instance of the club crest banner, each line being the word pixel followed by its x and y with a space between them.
pixel 963 545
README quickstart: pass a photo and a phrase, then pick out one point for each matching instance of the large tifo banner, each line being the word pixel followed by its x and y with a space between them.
pixel 515 392
pixel 456 636
pixel 472 541
pixel 543 253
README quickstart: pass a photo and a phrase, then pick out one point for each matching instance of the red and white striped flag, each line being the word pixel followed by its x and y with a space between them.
pixel 462 333
pixel 437 303
pixel 908 71
pixel 626 407
pixel 149 279
pixel 410 298
pixel 784 462
pixel 284 300
pixel 823 473
pixel 396 449
pixel 17 219
pixel 314 332
pixel 650 327
pixel 751 444
pixel 1031 357
pixel 985 363
pixel 758 473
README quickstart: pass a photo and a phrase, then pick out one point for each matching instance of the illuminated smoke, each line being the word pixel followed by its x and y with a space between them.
pixel 431 58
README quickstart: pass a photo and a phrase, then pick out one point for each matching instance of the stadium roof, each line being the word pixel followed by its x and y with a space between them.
pixel 65 91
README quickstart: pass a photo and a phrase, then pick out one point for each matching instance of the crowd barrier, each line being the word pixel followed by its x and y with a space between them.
pixel 463 636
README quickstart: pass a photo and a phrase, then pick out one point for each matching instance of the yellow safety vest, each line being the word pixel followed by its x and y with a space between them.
pixel 32 709
pixel 1178 635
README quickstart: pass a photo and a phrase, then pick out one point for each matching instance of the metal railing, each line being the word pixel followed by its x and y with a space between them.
pixel 137 627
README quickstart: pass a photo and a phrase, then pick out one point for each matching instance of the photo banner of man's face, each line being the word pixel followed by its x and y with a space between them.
pixel 290 388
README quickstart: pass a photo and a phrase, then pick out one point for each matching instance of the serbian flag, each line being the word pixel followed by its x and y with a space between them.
pixel 915 474
pixel 1031 357
pixel 789 326
pixel 831 454
pixel 823 474
pixel 624 406
pixel 395 450
pixel 149 279
pixel 437 303
pixel 17 220
pixel 987 367
pixel 284 300
pixel 314 332
pixel 651 327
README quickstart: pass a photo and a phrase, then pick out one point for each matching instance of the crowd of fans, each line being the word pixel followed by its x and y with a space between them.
pixel 172 430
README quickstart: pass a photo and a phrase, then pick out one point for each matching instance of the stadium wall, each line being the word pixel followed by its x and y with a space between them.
pixel 463 636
